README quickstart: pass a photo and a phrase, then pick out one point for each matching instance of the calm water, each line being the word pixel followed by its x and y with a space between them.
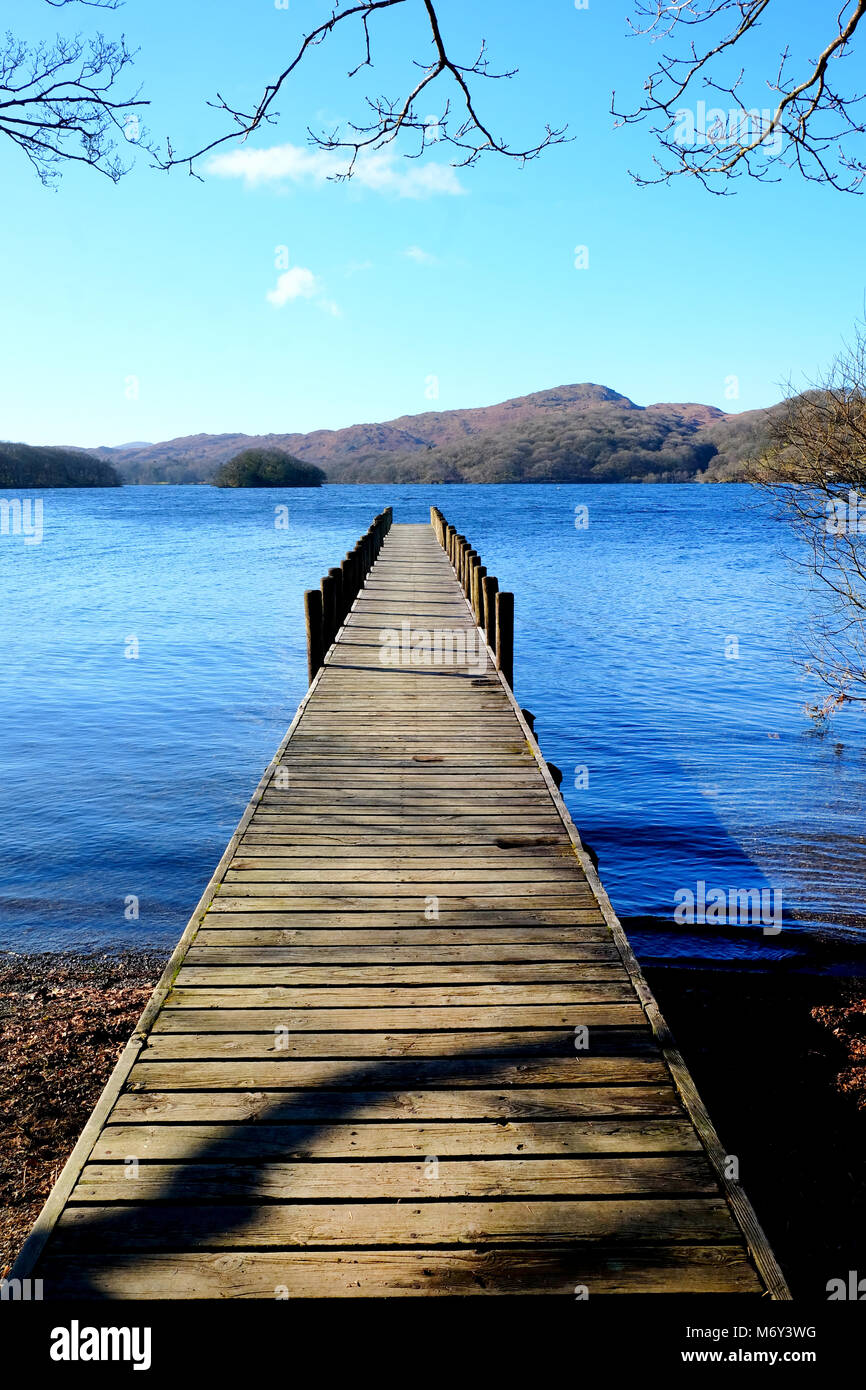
pixel 126 776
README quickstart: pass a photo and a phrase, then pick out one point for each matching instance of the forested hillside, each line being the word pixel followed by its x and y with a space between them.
pixel 29 466
pixel 582 432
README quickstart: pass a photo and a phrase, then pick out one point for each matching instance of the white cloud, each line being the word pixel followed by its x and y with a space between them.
pixel 297 283
pixel 301 283
pixel 420 256
pixel 383 171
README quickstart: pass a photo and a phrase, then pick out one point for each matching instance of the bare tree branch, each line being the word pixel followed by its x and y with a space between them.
pixel 815 470
pixel 811 124
pixel 388 118
pixel 58 103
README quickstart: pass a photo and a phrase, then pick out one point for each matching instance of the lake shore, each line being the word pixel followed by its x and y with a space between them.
pixel 64 1020
pixel 765 1047
pixel 777 1055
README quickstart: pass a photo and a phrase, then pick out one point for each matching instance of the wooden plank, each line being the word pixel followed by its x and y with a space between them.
pixel 263 952
pixel 430 1179
pixel 421 996
pixel 427 877
pixel 257 913
pixel 403 896
pixel 247 1143
pixel 387 1073
pixel 280 1043
pixel 660 1269
pixel 223 934
pixel 399 1017
pixel 526 1103
pixel 261 1226
pixel 412 975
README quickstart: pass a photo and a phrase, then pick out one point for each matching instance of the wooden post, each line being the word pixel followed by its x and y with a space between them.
pixel 315 643
pixel 505 635
pixel 329 610
pixel 471 562
pixel 490 586
pixel 478 594
pixel 339 611
pixel 348 586
pixel 464 551
pixel 472 559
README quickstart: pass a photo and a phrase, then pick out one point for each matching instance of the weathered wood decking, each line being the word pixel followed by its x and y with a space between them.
pixel 359 1075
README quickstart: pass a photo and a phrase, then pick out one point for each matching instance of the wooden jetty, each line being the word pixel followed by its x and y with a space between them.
pixel 403 1046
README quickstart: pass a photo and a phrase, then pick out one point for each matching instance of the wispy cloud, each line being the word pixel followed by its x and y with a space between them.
pixel 420 256
pixel 382 172
pixel 301 283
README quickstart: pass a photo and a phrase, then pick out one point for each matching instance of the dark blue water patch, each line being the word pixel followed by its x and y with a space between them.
pixel 127 775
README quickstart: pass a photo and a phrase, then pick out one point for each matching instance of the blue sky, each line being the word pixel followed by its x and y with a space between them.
pixel 414 278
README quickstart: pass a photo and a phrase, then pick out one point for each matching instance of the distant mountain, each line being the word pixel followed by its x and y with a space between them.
pixel 42 466
pixel 572 433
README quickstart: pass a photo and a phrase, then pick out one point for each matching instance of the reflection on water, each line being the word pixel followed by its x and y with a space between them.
pixel 124 777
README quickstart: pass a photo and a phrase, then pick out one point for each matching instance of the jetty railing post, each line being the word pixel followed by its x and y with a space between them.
pixel 347 590
pixel 505 635
pixel 315 641
pixel 478 594
pixel 490 585
pixel 326 608
pixel 329 610
pixel 339 612
pixel 472 560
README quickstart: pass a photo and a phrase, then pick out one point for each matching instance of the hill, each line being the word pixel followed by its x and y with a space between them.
pixel 571 433
pixel 30 466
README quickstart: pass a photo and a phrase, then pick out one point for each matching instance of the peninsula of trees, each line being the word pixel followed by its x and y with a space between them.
pixel 29 466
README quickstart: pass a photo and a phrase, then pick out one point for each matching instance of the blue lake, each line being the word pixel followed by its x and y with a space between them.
pixel 125 775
